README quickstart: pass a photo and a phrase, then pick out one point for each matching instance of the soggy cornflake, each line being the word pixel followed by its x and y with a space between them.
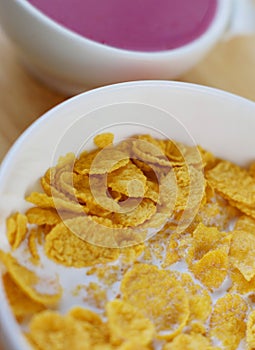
pixel 242 253
pixel 206 239
pixel 16 225
pixel 103 140
pixel 159 296
pixel 211 269
pixel 227 323
pixel 196 327
pixel 200 302
pixel 50 330
pixel 190 342
pixel 127 323
pixel 91 324
pixel 29 282
pixel 21 304
pixel 250 333
pixel 172 251
pixel 218 213
pixel 64 247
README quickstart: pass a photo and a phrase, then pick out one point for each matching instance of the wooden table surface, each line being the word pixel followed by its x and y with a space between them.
pixel 229 66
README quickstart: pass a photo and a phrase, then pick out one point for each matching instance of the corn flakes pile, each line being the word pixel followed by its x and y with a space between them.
pixel 140 245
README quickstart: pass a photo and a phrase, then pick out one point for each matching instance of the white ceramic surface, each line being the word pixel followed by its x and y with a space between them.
pixel 221 122
pixel 72 63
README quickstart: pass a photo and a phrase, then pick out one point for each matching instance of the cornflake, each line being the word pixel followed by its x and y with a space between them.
pixel 250 334
pixel 159 296
pixel 190 342
pixel 127 323
pixel 228 321
pixel 16 229
pixel 242 253
pixel 28 281
pixel 21 303
pixel 211 270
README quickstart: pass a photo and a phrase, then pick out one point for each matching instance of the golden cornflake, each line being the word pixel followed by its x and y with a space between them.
pixel 103 140
pixel 189 342
pixel 101 162
pixel 245 223
pixel 172 251
pixel 32 245
pixel 242 253
pixel 250 334
pixel 22 305
pixel 30 283
pixel 208 159
pixel 227 322
pixel 16 225
pixel 142 212
pixel 52 331
pixel 212 269
pixel 91 324
pixel 127 323
pixel 129 345
pixel 206 239
pixel 233 182
pixel 159 296
pixel 67 249
pixel 150 153
pixel 240 284
pixel 40 216
pixel 128 180
pixel 42 200
pixel 199 300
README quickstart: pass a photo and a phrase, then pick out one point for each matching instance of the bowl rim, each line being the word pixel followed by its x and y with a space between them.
pixel 73 100
pixel 18 342
pixel 211 35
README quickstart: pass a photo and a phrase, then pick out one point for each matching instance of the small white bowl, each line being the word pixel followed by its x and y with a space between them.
pixel 71 63
pixel 221 122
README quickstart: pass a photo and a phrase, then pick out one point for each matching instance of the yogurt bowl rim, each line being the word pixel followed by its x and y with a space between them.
pixel 212 33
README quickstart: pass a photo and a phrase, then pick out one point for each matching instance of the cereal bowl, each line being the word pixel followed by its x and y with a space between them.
pixel 221 122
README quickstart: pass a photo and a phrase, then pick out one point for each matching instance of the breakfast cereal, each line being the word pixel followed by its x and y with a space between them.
pixel 145 244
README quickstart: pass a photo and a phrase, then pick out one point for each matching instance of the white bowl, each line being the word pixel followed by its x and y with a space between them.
pixel 221 122
pixel 72 63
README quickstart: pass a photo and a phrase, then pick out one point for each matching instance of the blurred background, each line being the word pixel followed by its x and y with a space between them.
pixel 229 66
